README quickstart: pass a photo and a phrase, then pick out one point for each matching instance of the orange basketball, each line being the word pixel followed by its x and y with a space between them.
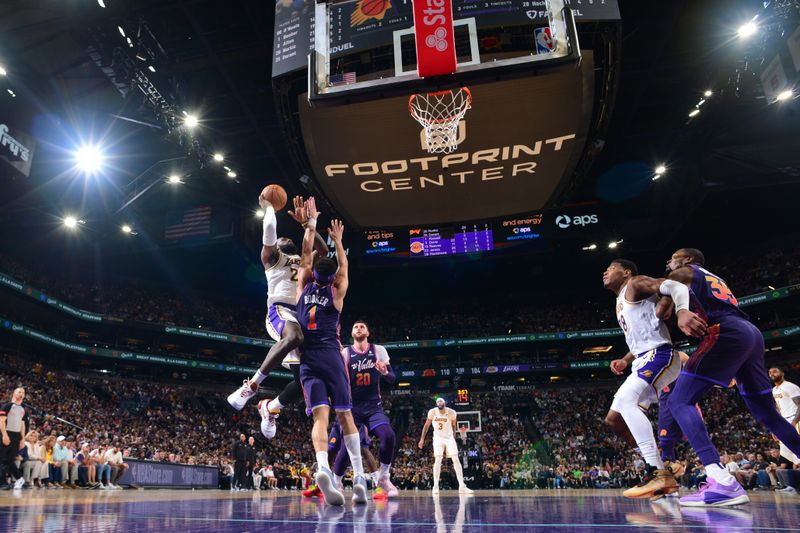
pixel 276 195
pixel 374 7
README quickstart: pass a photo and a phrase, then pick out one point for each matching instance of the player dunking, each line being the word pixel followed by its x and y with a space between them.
pixel 655 366
pixel 731 347
pixel 321 289
pixel 368 364
pixel 443 420
pixel 281 262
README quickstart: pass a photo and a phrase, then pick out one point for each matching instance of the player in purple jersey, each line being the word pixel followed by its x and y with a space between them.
pixel 321 288
pixel 368 365
pixel 731 348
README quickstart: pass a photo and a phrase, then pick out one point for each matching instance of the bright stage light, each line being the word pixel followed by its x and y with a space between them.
pixel 612 245
pixel 126 229
pixel 784 95
pixel 71 222
pixel 660 169
pixel 3 71
pixel 218 158
pixel 694 112
pixel 121 31
pixel 191 121
pixel 12 93
pixel 174 178
pixel 101 4
pixel 152 68
pixel 746 30
pixel 259 213
pixel 707 93
pixel 232 174
pixel 89 158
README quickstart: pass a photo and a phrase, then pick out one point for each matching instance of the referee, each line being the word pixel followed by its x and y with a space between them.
pixel 13 421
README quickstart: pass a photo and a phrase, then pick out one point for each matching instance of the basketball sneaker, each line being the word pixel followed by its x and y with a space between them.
pixel 715 494
pixel 312 492
pixel 359 490
pixel 268 419
pixel 380 495
pixel 660 481
pixel 386 485
pixel 239 397
pixel 675 467
pixel 463 489
pixel 435 490
pixel 324 481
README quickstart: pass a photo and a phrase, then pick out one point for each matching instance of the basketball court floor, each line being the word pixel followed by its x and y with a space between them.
pixel 223 511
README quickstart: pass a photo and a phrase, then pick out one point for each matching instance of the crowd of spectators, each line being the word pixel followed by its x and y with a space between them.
pixel 502 315
pixel 84 427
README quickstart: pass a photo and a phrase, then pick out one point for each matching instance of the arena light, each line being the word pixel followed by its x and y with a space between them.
pixel 404 384
pixel 121 31
pixel 232 174
pixel 128 230
pixel 259 213
pixel 694 112
pixel 71 222
pixel 130 43
pixel 660 169
pixel 3 71
pixel 746 30
pixel 174 179
pixel 590 247
pixel 12 93
pixel 101 4
pixel 614 244
pixel 708 93
pixel 219 158
pixel 701 102
pixel 152 68
pixel 784 95
pixel 191 121
pixel 89 158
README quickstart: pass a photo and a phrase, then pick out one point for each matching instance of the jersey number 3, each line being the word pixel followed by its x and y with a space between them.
pixel 720 290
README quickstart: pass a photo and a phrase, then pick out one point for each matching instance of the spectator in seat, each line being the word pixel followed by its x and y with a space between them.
pixel 257 477
pixel 60 462
pixel 33 468
pixel 98 456
pixel 70 477
pixel 86 469
pixel 746 475
pixel 118 466
pixel 762 476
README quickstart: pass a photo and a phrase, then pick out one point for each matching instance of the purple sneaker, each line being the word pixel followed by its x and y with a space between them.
pixel 713 494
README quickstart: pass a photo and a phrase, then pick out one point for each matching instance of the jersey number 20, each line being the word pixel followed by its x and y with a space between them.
pixel 363 380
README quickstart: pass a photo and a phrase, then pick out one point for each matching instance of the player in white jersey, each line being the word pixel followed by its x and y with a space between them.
pixel 281 262
pixel 443 420
pixel 787 398
pixel 655 366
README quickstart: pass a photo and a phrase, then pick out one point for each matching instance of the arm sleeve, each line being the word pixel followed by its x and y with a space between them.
pixel 270 237
pixel 390 376
pixel 677 291
pixel 381 353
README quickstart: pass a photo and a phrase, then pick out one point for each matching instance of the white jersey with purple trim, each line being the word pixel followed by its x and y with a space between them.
pixel 282 279
pixel 643 330
pixel 442 422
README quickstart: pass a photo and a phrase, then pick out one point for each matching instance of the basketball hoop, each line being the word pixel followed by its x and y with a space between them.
pixel 439 113
pixel 462 431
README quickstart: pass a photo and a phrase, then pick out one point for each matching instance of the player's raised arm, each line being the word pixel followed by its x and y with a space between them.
pixel 342 280
pixel 300 216
pixel 304 274
pixel 269 240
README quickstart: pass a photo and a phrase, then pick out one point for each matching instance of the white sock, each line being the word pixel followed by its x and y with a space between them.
pixel 437 470
pixel 384 471
pixel 353 444
pixel 642 432
pixel 258 377
pixel 322 461
pixel 459 471
pixel 719 474
pixel 275 405
pixel 337 479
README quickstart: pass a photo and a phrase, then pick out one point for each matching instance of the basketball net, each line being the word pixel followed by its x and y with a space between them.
pixel 439 114
pixel 462 431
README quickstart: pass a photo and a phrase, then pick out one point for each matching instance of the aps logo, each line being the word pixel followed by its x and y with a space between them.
pixel 565 221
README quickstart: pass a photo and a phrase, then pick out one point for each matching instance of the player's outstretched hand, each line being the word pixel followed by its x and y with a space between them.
pixel 311 208
pixel 299 211
pixel 337 230
pixel 691 324
pixel 263 203
pixel 381 367
pixel 618 366
pixel 420 444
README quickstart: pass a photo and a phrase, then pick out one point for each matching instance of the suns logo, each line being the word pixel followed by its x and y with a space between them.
pixel 369 9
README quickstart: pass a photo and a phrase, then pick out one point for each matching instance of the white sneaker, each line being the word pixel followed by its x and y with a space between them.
pixel 269 425
pixel 359 490
pixel 324 480
pixel 239 397
pixel 435 490
pixel 340 486
pixel 18 484
pixel 386 484
pixel 465 490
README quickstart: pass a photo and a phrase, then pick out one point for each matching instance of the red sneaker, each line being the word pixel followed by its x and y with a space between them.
pixel 380 495
pixel 312 492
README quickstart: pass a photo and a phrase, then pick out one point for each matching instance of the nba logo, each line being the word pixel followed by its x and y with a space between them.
pixel 544 40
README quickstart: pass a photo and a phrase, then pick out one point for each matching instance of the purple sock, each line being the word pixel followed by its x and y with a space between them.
pixel 342 462
pixel 669 432
pixel 763 408
pixel 387 437
pixel 686 392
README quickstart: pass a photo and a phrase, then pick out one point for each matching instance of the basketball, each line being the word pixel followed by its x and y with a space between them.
pixel 276 195
pixel 374 7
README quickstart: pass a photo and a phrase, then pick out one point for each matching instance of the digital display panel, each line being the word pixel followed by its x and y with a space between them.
pixel 449 241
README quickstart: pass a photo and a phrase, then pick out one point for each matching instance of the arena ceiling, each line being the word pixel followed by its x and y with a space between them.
pixel 214 60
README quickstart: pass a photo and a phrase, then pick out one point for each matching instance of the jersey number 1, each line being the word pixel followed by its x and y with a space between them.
pixel 312 315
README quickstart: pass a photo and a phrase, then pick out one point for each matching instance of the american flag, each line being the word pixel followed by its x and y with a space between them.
pixel 342 79
pixel 191 222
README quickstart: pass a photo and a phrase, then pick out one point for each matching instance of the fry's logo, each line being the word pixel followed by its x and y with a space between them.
pixel 369 9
